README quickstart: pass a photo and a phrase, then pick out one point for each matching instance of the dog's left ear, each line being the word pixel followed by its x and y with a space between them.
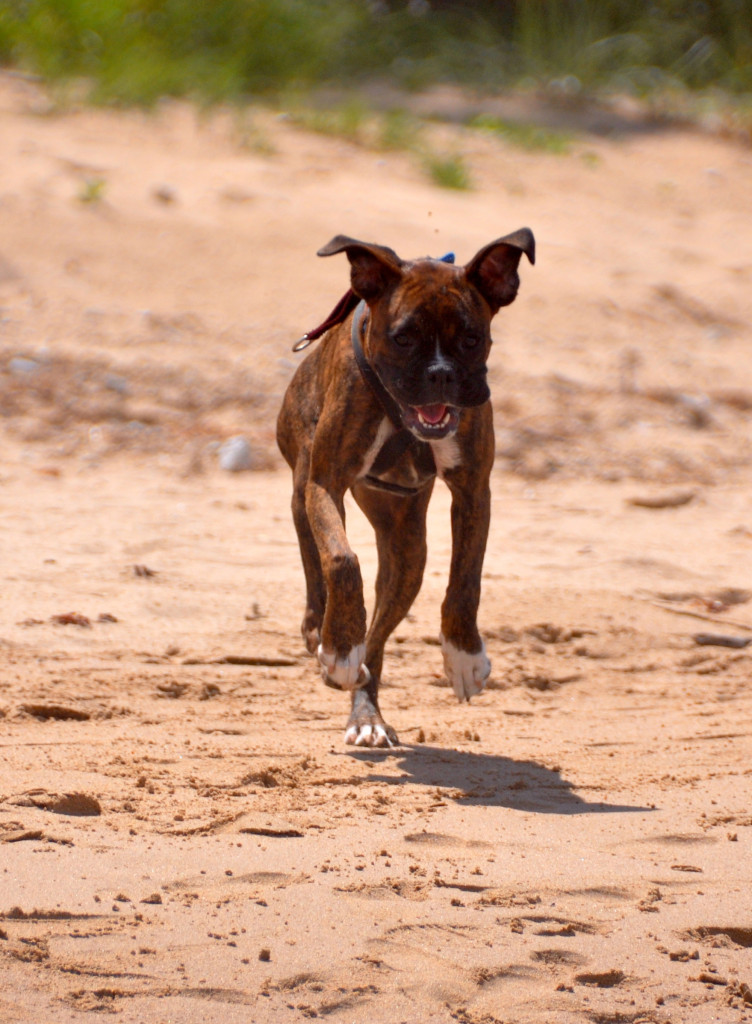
pixel 372 267
pixel 493 270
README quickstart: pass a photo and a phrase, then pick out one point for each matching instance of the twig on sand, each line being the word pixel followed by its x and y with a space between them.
pixel 667 607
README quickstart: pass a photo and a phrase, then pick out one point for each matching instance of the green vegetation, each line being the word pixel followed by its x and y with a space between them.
pixel 92 190
pixel 396 130
pixel 135 51
pixel 250 136
pixel 526 136
pixel 399 130
pixel 447 171
pixel 346 120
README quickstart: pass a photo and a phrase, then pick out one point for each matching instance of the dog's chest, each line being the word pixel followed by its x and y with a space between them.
pixel 398 462
pixel 446 453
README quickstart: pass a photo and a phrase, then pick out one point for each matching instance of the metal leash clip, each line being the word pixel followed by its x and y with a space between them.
pixel 302 343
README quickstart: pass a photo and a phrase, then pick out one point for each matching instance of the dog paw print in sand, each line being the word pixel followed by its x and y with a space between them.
pixel 79 805
pixel 542 925
pixel 558 957
pixel 722 935
pixel 250 885
pixel 45 712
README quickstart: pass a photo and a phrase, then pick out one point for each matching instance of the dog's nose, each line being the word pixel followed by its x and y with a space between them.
pixel 440 373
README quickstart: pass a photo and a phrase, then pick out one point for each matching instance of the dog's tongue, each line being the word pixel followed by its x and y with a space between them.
pixel 432 413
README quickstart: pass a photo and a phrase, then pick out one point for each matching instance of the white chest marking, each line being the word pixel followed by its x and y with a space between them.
pixel 446 454
pixel 385 431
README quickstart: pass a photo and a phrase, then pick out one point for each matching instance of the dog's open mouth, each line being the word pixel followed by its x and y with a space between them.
pixel 431 422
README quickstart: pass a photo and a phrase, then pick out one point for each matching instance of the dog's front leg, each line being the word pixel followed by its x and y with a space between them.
pixel 465 661
pixel 342 650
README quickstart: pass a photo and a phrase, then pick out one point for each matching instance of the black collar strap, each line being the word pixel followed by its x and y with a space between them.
pixel 372 379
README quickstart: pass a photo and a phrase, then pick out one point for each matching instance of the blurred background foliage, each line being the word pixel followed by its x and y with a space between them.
pixel 136 51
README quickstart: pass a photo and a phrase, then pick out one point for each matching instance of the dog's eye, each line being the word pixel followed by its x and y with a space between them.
pixel 403 340
pixel 470 341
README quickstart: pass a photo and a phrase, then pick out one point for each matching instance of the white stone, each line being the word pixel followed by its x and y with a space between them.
pixel 236 455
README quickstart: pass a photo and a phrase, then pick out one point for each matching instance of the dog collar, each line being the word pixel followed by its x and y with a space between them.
pixel 370 376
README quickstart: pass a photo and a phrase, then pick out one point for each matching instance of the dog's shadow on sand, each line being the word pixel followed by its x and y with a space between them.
pixel 488 780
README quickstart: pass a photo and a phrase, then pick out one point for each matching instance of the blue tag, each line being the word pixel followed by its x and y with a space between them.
pixel 448 258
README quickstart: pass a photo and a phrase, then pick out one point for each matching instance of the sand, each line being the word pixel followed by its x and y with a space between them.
pixel 184 835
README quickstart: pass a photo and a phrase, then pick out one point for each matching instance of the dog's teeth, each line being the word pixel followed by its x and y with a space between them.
pixel 435 426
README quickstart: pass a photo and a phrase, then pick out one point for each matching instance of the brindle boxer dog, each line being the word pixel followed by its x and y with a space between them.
pixel 394 396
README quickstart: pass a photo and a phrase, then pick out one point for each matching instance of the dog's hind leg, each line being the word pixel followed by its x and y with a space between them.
pixel 400 526
pixel 295 428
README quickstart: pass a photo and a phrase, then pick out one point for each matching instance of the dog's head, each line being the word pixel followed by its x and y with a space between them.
pixel 429 328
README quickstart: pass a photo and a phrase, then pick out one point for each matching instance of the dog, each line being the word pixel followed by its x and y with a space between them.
pixel 394 396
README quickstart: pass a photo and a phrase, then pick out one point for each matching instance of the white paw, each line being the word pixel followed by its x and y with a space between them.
pixel 466 672
pixel 368 736
pixel 348 673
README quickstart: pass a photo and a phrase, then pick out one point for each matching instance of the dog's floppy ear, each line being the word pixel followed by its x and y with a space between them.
pixel 372 267
pixel 493 270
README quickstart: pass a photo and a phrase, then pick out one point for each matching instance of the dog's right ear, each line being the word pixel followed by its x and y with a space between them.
pixel 373 268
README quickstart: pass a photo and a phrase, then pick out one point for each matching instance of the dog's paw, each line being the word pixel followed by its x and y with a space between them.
pixel 366 735
pixel 466 672
pixel 348 673
pixel 365 726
